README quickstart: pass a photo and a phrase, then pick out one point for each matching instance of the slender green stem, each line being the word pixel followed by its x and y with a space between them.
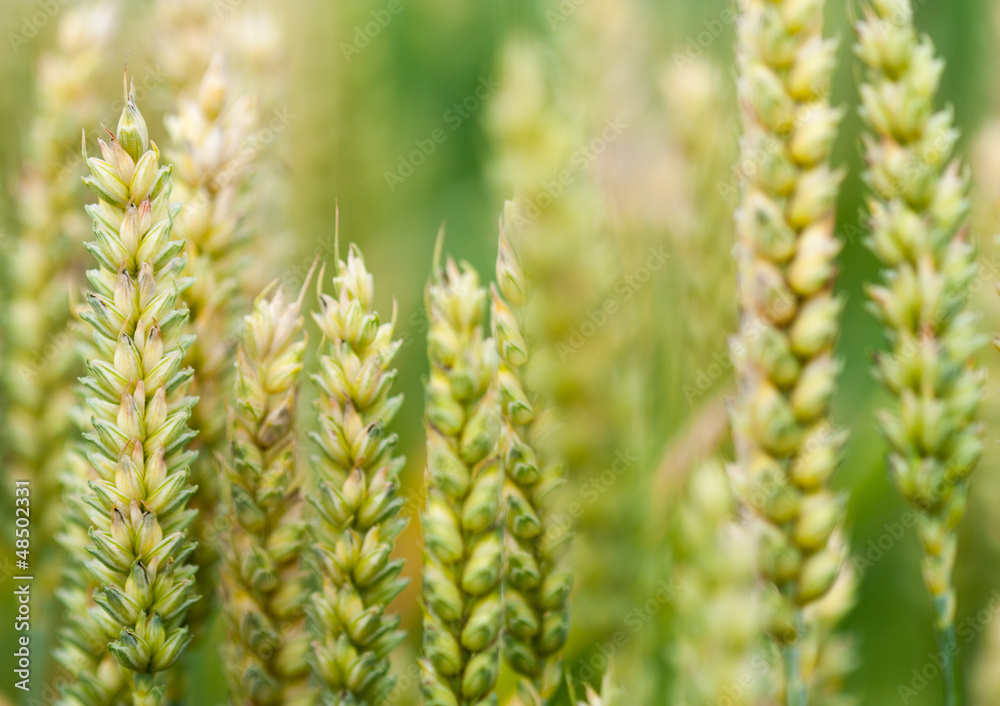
pixel 796 693
pixel 944 629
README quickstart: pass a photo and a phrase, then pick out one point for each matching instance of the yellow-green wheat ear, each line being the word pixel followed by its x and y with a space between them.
pixel 918 209
pixel 263 590
pixel 208 135
pixel 137 503
pixel 463 543
pixel 787 449
pixel 357 508
pixel 537 578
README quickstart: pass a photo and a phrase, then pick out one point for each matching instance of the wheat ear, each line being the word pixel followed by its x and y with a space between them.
pixel 537 578
pixel 919 209
pixel 207 134
pixel 262 587
pixel 787 251
pixel 357 474
pixel 41 361
pixel 463 545
pixel 717 611
pixel 137 506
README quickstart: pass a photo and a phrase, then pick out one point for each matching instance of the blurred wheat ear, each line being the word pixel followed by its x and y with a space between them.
pixel 137 502
pixel 263 588
pixel 41 362
pixel 786 253
pixel 463 544
pixel 919 206
pixel 207 134
pixel 357 514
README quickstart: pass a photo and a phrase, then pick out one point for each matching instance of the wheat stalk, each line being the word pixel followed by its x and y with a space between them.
pixel 463 545
pixel 537 578
pixel 786 448
pixel 357 473
pixel 262 587
pixel 137 505
pixel 919 208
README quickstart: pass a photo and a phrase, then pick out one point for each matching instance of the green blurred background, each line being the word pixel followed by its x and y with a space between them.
pixel 350 121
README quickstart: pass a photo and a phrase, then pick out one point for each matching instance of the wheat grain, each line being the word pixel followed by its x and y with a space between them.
pixel 919 208
pixel 787 252
pixel 136 388
pixel 357 473
pixel 538 578
pixel 262 587
pixel 463 545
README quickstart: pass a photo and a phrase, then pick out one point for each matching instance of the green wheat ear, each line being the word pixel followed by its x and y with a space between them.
pixel 357 506
pixel 463 544
pixel 538 578
pixel 919 207
pixel 138 502
pixel 786 252
pixel 263 591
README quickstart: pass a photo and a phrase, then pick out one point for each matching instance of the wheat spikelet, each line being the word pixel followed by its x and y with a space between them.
pixel 357 474
pixel 919 209
pixel 537 579
pixel 463 545
pixel 786 448
pixel 137 503
pixel 262 588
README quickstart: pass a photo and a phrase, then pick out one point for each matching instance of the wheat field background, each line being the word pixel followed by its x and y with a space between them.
pixel 387 112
